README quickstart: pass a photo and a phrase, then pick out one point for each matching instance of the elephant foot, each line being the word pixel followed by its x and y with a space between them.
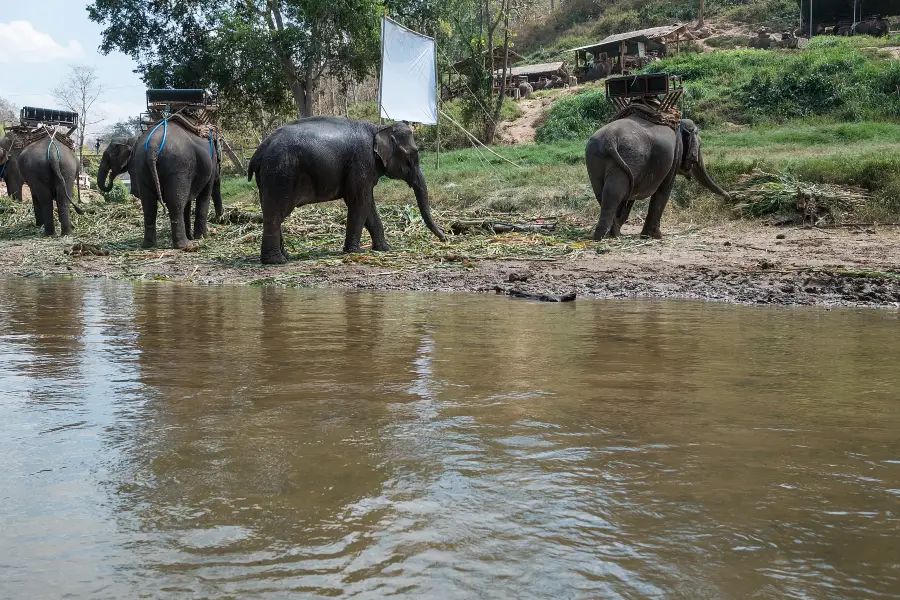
pixel 48 232
pixel 655 234
pixel 67 232
pixel 381 246
pixel 354 249
pixel 598 237
pixel 272 258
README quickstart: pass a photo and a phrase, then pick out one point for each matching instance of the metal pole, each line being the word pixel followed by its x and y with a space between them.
pixel 810 19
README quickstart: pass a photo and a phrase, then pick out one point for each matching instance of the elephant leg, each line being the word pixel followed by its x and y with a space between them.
pixel 612 194
pixel 62 207
pixel 358 210
pixel 149 208
pixel 177 208
pixel 187 220
pixel 38 211
pixel 621 217
pixel 272 250
pixel 201 215
pixel 376 230
pixel 654 214
pixel 45 201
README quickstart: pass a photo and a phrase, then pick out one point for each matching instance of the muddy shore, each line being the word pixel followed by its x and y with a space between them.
pixel 734 262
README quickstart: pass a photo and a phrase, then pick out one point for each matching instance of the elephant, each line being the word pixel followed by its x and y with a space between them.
pixel 631 159
pixel 318 159
pixel 49 168
pixel 876 27
pixel 115 161
pixel 173 165
pixel 525 90
pixel 9 168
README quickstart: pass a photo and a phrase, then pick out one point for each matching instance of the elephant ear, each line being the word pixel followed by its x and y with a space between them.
pixel 384 145
pixel 690 140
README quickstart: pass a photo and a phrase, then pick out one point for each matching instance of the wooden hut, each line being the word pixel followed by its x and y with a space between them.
pixel 631 49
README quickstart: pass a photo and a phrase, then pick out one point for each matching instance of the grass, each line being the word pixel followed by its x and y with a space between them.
pixel 843 79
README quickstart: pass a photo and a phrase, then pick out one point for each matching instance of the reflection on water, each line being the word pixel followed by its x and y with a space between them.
pixel 181 441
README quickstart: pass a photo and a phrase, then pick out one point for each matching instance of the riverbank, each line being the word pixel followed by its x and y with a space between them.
pixel 526 228
pixel 738 262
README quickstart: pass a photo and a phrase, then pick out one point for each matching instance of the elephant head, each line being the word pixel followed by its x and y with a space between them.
pixel 114 162
pixel 5 149
pixel 399 156
pixel 691 164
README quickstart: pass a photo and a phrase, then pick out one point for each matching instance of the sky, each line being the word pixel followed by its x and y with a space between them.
pixel 39 39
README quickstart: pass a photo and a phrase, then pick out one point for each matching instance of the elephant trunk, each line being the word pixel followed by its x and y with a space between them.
pixel 699 171
pixel 102 174
pixel 421 189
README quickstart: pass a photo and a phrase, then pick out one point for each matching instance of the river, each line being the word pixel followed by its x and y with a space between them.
pixel 164 440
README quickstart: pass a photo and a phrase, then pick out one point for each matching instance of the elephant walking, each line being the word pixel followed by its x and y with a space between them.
pixel 319 159
pixel 632 159
pixel 173 165
pixel 49 168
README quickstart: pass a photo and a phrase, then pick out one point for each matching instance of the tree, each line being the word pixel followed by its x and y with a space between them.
pixel 196 43
pixel 8 112
pixel 79 92
pixel 123 129
pixel 702 10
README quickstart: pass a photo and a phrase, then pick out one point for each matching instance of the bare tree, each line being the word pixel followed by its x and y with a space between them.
pixel 702 10
pixel 79 92
pixel 8 112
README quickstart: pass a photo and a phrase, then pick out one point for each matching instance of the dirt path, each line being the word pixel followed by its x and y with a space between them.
pixel 522 130
pixel 733 262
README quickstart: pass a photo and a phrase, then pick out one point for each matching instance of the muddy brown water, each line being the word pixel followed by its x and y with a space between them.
pixel 171 441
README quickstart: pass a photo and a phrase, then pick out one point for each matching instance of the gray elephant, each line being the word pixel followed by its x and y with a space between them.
pixel 49 168
pixel 632 159
pixel 525 90
pixel 116 160
pixel 319 159
pixel 876 27
pixel 173 165
pixel 10 173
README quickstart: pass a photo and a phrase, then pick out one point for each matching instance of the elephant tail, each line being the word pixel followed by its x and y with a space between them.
pixel 613 151
pixel 151 162
pixel 61 188
pixel 252 169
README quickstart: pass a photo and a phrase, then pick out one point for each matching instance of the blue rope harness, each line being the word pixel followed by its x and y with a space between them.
pixel 52 144
pixel 165 125
pixel 3 169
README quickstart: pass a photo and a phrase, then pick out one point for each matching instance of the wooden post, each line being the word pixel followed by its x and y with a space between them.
pixel 678 43
pixel 622 57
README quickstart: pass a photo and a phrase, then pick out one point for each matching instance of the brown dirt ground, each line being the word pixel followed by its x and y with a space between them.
pixel 735 262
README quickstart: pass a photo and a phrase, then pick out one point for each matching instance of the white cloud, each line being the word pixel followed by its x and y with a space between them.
pixel 21 42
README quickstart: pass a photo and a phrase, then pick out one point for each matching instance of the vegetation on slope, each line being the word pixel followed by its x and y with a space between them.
pixel 579 22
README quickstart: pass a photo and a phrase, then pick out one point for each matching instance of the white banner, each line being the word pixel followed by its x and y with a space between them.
pixel 408 87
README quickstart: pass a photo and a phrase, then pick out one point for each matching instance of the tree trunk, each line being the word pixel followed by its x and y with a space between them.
pixel 492 126
pixel 702 10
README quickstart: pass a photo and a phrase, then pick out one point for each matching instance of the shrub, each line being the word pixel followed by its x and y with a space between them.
pixel 576 117
pixel 118 193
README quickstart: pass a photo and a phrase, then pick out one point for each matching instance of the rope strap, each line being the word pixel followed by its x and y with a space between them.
pixel 165 125
pixel 3 169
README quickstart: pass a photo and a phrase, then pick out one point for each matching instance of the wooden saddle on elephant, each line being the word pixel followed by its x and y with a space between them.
pixel 36 124
pixel 24 136
pixel 652 97
pixel 193 109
